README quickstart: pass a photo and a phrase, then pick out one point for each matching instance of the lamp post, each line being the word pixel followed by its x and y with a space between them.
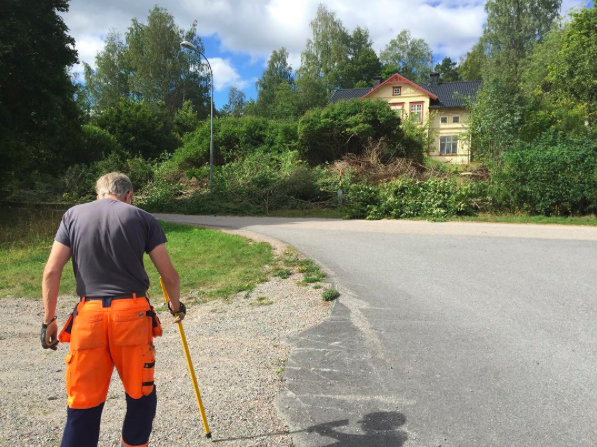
pixel 188 45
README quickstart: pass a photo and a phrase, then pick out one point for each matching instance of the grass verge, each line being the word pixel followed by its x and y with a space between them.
pixel 211 264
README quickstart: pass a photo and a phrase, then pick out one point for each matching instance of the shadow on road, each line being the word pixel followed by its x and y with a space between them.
pixel 380 429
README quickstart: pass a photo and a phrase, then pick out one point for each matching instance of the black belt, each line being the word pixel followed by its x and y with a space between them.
pixel 107 300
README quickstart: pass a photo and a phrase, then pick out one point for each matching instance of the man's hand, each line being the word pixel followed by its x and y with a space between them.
pixel 49 335
pixel 180 313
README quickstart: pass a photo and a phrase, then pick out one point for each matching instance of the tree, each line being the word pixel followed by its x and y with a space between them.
pixel 573 70
pixel 513 28
pixel 362 63
pixel 471 66
pixel 237 103
pixel 39 120
pixel 327 48
pixel 410 57
pixel 278 72
pixel 448 70
pixel 150 66
pixel 111 80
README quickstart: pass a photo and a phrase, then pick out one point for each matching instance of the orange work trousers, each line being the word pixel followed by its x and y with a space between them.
pixel 104 334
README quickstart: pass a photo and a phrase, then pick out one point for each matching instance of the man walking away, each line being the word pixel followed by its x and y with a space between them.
pixel 113 324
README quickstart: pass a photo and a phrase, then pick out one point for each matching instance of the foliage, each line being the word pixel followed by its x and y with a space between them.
pixel 347 126
pixel 150 66
pixel 361 64
pixel 278 73
pixel 258 182
pixel 470 68
pixel 237 103
pixel 555 175
pixel 512 29
pixel 110 81
pixel 573 70
pixel 330 294
pixel 185 120
pixel 141 128
pixel 447 70
pixel 408 56
pixel 39 121
pixel 327 48
pixel 97 143
pixel 408 198
pixel 235 138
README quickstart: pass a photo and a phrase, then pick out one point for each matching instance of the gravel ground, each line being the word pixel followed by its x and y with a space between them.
pixel 238 350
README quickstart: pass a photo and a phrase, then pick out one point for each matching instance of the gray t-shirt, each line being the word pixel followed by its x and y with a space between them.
pixel 107 239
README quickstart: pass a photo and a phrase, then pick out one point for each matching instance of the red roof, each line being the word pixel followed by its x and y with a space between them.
pixel 399 78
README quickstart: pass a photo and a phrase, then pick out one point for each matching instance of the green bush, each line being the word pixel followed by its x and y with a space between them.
pixel 408 198
pixel 349 127
pixel 330 294
pixel 97 143
pixel 235 138
pixel 142 129
pixel 553 176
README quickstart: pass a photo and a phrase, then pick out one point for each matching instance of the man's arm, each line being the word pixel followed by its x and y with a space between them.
pixel 161 259
pixel 59 255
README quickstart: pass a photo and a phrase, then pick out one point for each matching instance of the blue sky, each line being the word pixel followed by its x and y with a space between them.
pixel 239 35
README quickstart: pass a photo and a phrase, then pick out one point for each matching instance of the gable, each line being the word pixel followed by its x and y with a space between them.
pixel 397 80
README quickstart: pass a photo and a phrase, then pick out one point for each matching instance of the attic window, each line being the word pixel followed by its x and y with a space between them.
pixel 455 119
pixel 444 120
pixel 396 91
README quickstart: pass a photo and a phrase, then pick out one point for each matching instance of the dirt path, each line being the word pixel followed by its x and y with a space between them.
pixel 238 349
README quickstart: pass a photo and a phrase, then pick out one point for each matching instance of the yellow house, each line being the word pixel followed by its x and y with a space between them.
pixel 442 105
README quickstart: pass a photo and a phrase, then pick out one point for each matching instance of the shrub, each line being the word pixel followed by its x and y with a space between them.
pixel 408 198
pixel 330 294
pixel 552 176
pixel 348 127
pixel 235 138
pixel 142 129
pixel 96 143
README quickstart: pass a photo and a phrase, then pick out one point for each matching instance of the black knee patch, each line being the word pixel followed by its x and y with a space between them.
pixel 82 426
pixel 139 418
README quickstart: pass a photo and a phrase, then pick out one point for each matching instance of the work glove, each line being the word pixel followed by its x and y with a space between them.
pixel 182 311
pixel 49 335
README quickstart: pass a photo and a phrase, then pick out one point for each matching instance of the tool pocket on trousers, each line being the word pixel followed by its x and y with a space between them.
pixel 87 331
pixel 131 327
pixel 148 371
pixel 64 336
pixel 156 325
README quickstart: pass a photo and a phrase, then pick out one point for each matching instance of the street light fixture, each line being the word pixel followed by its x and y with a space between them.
pixel 189 46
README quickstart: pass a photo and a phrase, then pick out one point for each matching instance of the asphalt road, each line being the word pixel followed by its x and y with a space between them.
pixel 446 334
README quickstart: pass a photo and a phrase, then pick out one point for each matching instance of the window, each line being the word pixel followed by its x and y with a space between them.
pixel 444 120
pixel 396 91
pixel 455 119
pixel 416 112
pixel 448 145
pixel 397 107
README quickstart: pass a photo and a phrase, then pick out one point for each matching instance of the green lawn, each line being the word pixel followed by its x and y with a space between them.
pixel 211 264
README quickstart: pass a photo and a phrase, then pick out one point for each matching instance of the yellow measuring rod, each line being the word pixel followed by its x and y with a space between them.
pixel 187 354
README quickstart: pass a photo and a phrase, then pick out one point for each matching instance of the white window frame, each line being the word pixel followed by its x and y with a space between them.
pixel 394 89
pixel 443 119
pixel 416 112
pixel 456 119
pixel 448 145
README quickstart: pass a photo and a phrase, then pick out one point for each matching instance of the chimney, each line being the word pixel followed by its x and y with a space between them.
pixel 434 78
pixel 376 81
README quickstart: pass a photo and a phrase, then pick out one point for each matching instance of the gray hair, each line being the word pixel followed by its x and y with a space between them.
pixel 114 183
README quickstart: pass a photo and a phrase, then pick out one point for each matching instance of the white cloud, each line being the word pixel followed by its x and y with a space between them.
pixel 225 76
pixel 258 27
